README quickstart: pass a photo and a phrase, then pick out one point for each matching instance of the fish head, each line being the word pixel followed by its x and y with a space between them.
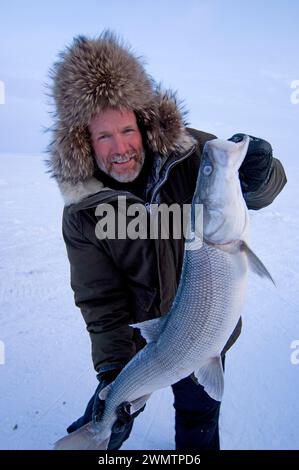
pixel 218 189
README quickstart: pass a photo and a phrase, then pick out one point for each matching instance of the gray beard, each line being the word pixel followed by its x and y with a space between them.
pixel 126 177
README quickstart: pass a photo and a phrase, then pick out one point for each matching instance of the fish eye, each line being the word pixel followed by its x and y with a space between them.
pixel 207 170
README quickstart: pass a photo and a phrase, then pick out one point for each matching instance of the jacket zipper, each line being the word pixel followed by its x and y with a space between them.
pixel 159 186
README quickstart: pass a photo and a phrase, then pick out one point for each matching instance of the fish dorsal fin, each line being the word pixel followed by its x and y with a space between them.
pixel 255 263
pixel 151 329
pixel 210 376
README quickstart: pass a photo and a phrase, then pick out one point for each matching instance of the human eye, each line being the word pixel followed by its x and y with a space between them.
pixel 129 130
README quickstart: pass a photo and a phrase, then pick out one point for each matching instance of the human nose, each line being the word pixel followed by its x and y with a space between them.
pixel 119 145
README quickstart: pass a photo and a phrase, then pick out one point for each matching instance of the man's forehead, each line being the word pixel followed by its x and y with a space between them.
pixel 112 117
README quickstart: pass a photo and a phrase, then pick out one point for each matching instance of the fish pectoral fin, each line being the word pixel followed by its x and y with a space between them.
pixel 255 263
pixel 211 377
pixel 151 329
pixel 104 393
pixel 139 403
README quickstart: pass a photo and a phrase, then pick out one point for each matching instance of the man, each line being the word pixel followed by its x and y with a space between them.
pixel 116 133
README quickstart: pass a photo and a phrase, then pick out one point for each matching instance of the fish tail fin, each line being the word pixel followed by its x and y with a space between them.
pixel 211 377
pixel 85 438
pixel 256 264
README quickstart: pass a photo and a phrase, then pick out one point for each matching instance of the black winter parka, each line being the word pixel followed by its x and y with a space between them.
pixel 117 282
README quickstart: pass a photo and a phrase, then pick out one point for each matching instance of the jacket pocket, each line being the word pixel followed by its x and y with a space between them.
pixel 145 297
pixel 144 302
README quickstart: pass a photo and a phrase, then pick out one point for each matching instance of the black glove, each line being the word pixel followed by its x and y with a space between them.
pixel 256 166
pixel 124 418
pixel 104 378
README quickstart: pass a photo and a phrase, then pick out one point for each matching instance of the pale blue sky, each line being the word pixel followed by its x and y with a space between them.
pixel 231 61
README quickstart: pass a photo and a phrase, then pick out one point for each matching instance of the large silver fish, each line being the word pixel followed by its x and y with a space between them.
pixel 206 309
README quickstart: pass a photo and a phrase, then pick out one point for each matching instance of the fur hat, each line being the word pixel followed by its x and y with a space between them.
pixel 91 75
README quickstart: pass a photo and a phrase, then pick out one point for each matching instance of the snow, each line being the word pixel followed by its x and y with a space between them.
pixel 47 377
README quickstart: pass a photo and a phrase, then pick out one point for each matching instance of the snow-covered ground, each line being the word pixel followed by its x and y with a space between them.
pixel 47 377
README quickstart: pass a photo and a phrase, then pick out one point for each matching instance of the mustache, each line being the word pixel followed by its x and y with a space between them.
pixel 123 158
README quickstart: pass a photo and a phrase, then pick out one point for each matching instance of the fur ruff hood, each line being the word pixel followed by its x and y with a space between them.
pixel 91 75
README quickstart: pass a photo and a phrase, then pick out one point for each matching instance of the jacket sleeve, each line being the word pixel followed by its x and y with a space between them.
pixel 268 191
pixel 102 277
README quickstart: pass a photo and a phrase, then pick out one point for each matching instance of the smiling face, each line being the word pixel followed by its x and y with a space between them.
pixel 117 144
